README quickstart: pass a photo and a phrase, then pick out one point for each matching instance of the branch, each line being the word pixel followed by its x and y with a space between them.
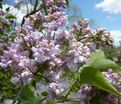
pixel 35 6
pixel 32 12
pixel 68 100
pixel 17 95
pixel 66 96
pixel 69 91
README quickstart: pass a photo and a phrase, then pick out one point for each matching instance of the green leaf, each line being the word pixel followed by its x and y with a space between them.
pixel 44 93
pixel 1 5
pixel 98 54
pixel 105 64
pixel 67 2
pixel 56 1
pixel 50 102
pixel 9 16
pixel 28 95
pixel 7 9
pixel 7 27
pixel 98 61
pixel 95 78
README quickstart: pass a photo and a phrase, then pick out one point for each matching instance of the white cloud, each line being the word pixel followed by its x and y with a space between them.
pixel 116 34
pixel 111 6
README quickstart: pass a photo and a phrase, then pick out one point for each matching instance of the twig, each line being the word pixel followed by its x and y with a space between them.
pixel 35 6
pixel 76 80
pixel 1 97
pixel 27 15
pixel 42 100
pixel 64 99
pixel 17 95
pixel 67 100
pixel 44 6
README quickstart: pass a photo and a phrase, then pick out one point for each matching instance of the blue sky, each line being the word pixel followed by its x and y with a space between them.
pixel 102 18
pixel 105 13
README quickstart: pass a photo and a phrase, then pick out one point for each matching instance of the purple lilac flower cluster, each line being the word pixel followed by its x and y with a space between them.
pixel 97 38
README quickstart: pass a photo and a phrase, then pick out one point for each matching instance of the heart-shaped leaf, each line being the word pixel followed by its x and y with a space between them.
pixel 95 78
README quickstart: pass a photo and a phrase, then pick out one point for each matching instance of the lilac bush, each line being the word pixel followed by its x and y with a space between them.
pixel 44 49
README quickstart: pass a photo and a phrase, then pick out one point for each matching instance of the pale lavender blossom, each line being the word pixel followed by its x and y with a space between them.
pixel 36 36
pixel 57 87
pixel 28 64
pixel 28 26
pixel 49 2
pixel 60 35
pixel 62 3
pixel 15 80
pixel 78 53
pixel 55 74
pixel 84 23
pixel 47 51
pixel 26 76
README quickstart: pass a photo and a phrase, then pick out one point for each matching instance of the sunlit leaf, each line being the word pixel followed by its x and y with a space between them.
pixel 98 61
pixel 95 78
